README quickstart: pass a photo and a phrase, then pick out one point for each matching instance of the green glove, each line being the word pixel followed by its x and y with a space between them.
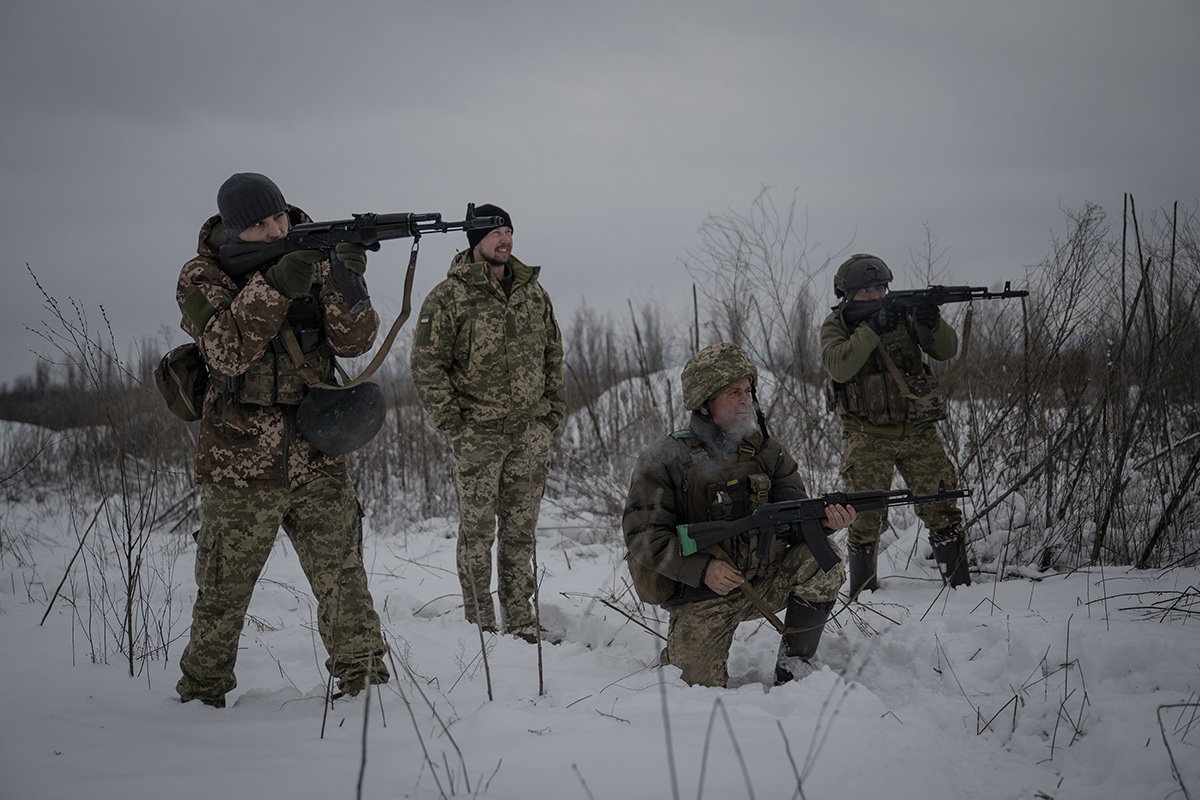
pixel 293 274
pixel 354 256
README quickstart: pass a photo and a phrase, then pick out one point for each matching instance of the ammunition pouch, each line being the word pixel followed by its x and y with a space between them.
pixel 925 405
pixel 873 397
pixel 274 379
pixel 895 387
pixel 722 490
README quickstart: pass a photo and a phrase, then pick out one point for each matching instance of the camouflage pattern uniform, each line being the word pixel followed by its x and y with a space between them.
pixel 697 475
pixel 487 361
pixel 889 401
pixel 884 430
pixel 258 473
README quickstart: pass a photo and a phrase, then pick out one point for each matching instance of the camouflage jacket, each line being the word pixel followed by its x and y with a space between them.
pixel 851 355
pixel 484 358
pixel 670 481
pixel 233 321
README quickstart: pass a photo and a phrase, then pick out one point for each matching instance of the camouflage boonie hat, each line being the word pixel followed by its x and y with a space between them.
pixel 712 369
pixel 860 271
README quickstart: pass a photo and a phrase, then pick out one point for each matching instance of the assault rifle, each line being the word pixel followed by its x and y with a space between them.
pixel 800 520
pixel 365 229
pixel 903 301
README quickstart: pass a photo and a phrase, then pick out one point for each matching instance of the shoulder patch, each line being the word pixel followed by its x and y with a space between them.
pixel 424 319
pixel 686 433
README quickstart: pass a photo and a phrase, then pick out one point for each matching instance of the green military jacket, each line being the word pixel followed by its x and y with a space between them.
pixel 233 321
pixel 660 498
pixel 851 356
pixel 483 357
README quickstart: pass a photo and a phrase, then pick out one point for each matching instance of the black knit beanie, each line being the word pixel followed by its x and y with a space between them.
pixel 246 198
pixel 487 210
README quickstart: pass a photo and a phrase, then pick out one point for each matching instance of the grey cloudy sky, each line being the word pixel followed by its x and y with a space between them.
pixel 608 130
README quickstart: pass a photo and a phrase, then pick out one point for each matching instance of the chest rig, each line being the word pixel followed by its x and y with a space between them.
pixel 894 386
pixel 275 378
pixel 729 488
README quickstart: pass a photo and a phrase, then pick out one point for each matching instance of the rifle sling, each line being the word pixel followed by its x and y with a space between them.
pixel 752 594
pixel 818 545
pixel 313 380
pixel 951 374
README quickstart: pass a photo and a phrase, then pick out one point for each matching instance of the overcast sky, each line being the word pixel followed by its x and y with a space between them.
pixel 608 130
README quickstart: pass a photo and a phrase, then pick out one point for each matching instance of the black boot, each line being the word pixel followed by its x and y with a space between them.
pixel 863 568
pixel 951 557
pixel 803 622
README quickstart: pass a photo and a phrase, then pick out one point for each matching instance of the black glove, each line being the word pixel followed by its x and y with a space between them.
pixel 354 256
pixel 927 316
pixel 884 320
pixel 293 274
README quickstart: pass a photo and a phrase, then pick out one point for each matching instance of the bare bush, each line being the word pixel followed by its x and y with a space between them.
pixel 123 471
pixel 763 287
pixel 1087 408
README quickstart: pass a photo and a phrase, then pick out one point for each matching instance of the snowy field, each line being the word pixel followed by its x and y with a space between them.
pixel 1081 685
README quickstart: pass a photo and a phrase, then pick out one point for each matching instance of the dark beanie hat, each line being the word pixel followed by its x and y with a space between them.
pixel 474 237
pixel 246 198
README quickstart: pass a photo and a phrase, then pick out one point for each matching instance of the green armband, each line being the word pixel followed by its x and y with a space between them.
pixel 687 545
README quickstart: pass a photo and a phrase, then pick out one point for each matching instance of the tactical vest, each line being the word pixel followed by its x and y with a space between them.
pixel 274 378
pixel 876 396
pixel 729 489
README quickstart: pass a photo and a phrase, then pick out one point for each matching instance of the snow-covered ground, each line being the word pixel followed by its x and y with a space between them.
pixel 1081 685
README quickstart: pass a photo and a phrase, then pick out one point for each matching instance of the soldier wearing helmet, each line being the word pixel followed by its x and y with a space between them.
pixel 888 401
pixel 721 467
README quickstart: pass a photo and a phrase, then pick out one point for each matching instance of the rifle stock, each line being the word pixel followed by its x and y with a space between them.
pixel 801 519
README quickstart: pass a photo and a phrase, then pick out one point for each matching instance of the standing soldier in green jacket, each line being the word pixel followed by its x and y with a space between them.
pixel 487 361
pixel 256 471
pixel 885 394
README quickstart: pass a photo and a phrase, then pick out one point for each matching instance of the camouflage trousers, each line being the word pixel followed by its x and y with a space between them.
pixel 500 476
pixel 323 520
pixel 700 634
pixel 869 462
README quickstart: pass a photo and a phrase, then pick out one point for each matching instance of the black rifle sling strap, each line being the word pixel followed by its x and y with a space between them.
pixel 315 381
pixel 951 374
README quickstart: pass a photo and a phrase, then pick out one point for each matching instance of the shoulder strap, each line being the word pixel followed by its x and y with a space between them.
pixel 951 374
pixel 313 380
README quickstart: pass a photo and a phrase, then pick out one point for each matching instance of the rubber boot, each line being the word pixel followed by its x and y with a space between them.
pixel 951 557
pixel 863 567
pixel 804 622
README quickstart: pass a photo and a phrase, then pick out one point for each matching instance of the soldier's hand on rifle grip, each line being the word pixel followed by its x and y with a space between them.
pixel 292 275
pixel 354 256
pixel 927 315
pixel 721 577
pixel 838 517
pixel 884 320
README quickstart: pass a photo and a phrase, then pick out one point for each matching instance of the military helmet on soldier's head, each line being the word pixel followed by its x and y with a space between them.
pixel 860 271
pixel 712 369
